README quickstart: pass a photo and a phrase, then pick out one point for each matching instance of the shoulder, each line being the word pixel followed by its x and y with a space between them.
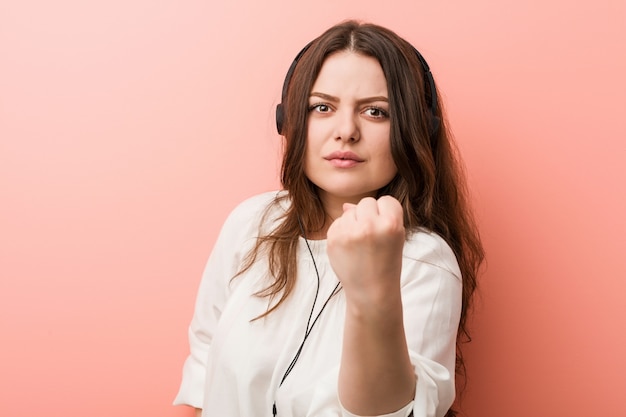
pixel 427 247
pixel 257 203
pixel 257 209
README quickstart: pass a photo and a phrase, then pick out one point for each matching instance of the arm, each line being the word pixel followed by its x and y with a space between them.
pixel 211 299
pixel 365 250
pixel 376 376
pixel 209 304
pixel 234 240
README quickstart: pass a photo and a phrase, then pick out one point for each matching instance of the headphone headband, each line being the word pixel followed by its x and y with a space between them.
pixel 428 79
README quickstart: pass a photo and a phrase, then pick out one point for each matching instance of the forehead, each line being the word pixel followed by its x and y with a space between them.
pixel 351 73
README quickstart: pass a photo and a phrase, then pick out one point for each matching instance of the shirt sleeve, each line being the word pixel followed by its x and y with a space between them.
pixel 403 412
pixel 432 297
pixel 222 265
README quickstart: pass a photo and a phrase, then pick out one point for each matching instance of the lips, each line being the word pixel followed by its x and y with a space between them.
pixel 344 159
pixel 344 156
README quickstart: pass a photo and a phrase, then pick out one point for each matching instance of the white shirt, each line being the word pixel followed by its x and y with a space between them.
pixel 236 363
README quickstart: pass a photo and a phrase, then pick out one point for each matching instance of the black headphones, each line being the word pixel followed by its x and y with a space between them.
pixel 428 78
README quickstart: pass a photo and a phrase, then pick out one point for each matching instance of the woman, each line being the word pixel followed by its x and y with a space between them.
pixel 345 293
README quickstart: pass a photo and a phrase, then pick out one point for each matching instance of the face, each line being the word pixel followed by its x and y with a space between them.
pixel 348 152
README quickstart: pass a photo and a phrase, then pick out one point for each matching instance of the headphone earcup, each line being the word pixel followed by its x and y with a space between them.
pixel 280 118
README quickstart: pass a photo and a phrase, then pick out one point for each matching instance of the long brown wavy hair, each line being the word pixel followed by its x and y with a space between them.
pixel 430 183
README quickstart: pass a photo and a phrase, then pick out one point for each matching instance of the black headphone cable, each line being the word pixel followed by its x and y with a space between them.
pixel 309 325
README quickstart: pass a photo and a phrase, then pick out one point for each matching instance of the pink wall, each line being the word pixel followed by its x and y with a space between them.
pixel 128 129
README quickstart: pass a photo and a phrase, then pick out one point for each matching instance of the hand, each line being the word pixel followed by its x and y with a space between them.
pixel 365 250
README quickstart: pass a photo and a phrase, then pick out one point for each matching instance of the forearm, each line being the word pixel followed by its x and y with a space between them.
pixel 376 376
pixel 365 249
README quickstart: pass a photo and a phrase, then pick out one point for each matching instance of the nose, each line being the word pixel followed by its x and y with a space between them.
pixel 347 128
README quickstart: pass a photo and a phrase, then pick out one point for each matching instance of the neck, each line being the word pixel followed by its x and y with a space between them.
pixel 333 209
pixel 333 204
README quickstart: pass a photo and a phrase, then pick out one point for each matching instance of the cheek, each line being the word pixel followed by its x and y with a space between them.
pixel 314 140
pixel 387 162
pixel 383 147
pixel 313 131
pixel 388 166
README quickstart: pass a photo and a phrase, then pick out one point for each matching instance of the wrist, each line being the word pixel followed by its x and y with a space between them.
pixel 383 308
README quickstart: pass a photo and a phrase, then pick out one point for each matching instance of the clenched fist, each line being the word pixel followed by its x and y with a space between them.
pixel 365 250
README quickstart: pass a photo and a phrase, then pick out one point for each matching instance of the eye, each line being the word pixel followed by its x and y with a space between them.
pixel 376 113
pixel 320 108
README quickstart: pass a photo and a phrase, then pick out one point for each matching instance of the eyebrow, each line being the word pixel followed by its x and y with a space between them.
pixel 360 101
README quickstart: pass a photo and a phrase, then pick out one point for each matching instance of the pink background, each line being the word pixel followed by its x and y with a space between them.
pixel 129 129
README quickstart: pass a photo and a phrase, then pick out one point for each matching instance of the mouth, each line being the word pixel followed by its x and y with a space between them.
pixel 344 159
pixel 344 156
